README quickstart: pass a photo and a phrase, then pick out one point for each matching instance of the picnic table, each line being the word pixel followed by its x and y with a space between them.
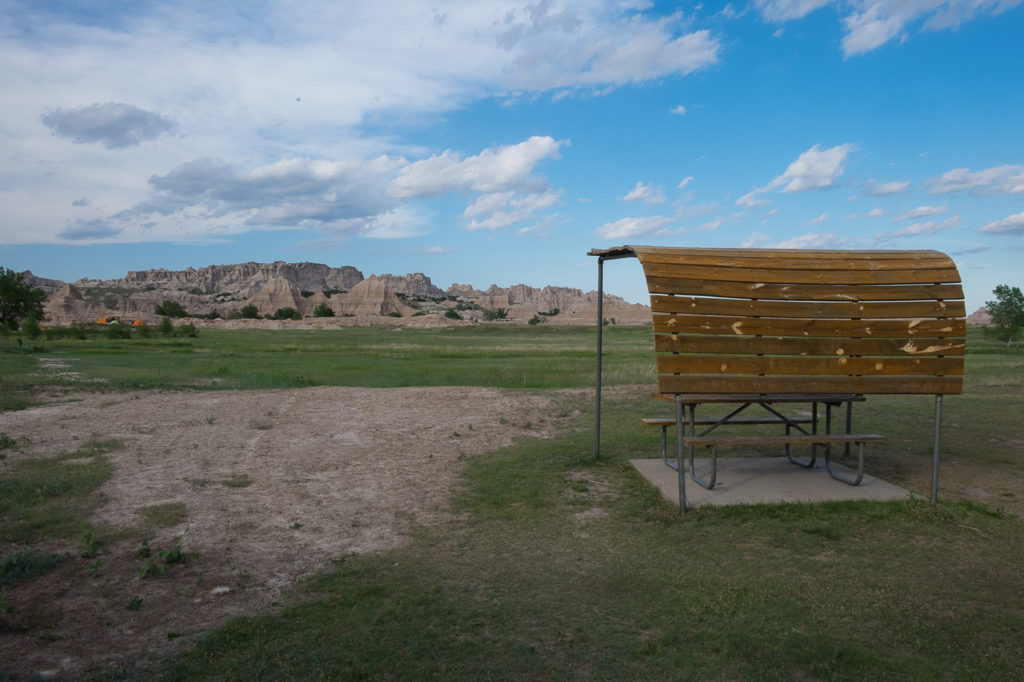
pixel 773 326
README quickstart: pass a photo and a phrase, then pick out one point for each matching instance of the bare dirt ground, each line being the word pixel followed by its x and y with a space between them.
pixel 275 486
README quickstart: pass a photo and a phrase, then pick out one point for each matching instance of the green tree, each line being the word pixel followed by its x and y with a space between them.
pixel 250 312
pixel 166 326
pixel 288 313
pixel 323 310
pixel 170 309
pixel 18 299
pixel 1007 312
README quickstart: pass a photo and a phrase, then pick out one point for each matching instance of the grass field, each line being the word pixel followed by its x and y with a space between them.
pixel 567 567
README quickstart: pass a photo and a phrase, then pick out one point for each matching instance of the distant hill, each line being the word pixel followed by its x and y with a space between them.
pixel 215 295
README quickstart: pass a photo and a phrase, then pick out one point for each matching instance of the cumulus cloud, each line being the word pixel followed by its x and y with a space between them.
pixel 684 182
pixel 492 170
pixel 927 227
pixel 501 209
pixel 883 189
pixel 1011 225
pixel 816 168
pixel 645 194
pixel 633 227
pixel 679 110
pixel 115 125
pixel 813 241
pixel 572 49
pixel 869 24
pixel 819 220
pixel 921 212
pixel 992 181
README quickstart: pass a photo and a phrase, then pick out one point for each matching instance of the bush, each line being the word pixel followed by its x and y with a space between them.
pixel 496 314
pixel 30 326
pixel 170 309
pixel 166 326
pixel 288 313
pixel 187 330
pixel 323 310
pixel 452 314
pixel 249 312
pixel 535 320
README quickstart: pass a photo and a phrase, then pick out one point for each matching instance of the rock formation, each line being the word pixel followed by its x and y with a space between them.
pixel 979 318
pixel 219 292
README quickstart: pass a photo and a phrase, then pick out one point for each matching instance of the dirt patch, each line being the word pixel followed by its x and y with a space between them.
pixel 275 485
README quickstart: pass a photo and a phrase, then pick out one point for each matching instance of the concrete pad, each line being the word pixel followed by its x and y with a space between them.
pixel 755 480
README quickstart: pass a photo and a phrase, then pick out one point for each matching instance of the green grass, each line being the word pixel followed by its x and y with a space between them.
pixel 501 356
pixel 562 566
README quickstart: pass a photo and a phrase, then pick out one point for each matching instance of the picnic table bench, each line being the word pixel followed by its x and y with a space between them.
pixel 767 326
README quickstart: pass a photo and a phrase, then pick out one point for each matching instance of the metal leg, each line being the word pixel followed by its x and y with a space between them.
pixel 860 466
pixel 679 455
pixel 714 469
pixel 935 449
pixel 814 450
pixel 664 447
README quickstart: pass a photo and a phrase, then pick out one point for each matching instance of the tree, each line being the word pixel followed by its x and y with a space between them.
pixel 249 312
pixel 18 299
pixel 323 310
pixel 1007 312
pixel 288 313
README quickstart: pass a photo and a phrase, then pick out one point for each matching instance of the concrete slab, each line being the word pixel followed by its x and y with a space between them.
pixel 754 480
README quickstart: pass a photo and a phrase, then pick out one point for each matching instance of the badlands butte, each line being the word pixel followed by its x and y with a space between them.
pixel 215 296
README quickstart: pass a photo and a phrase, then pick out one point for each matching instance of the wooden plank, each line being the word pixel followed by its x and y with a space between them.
pixel 700 383
pixel 807 309
pixel 744 421
pixel 749 364
pixel 746 326
pixel 804 292
pixel 795 438
pixel 774 345
pixel 833 261
pixel 772 276
pixel 849 254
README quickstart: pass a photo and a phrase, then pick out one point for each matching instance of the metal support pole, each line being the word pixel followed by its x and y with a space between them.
pixel 680 459
pixel 935 451
pixel 600 331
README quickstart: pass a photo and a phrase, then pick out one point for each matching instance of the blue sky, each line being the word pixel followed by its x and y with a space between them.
pixel 497 142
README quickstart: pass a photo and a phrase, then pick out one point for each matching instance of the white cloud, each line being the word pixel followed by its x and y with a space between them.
pixel 755 240
pixel 876 213
pixel 883 189
pixel 784 10
pixel 869 24
pixel 496 211
pixel 645 194
pixel 679 110
pixel 816 168
pixel 921 212
pixel 813 241
pixel 1011 225
pixel 684 182
pixel 928 227
pixel 633 227
pixel 492 170
pixel 995 180
pixel 819 220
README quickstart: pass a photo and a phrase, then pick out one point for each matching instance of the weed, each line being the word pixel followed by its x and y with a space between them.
pixel 174 555
pixel 237 481
pixel 94 568
pixel 133 604
pixel 25 565
pixel 88 545
pixel 149 569
pixel 144 550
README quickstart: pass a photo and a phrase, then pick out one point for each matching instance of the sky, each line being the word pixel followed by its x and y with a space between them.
pixel 498 142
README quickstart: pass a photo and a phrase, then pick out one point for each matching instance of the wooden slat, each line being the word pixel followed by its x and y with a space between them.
pixel 699 383
pixel 932 261
pixel 805 292
pixel 745 326
pixel 725 345
pixel 745 421
pixel 795 438
pixel 807 309
pixel 810 254
pixel 772 276
pixel 841 366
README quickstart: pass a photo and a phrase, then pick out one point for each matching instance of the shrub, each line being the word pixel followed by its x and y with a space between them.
pixel 187 330
pixel 452 314
pixel 170 309
pixel 249 312
pixel 323 310
pixel 287 313
pixel 166 326
pixel 535 320
pixel 496 314
pixel 30 326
